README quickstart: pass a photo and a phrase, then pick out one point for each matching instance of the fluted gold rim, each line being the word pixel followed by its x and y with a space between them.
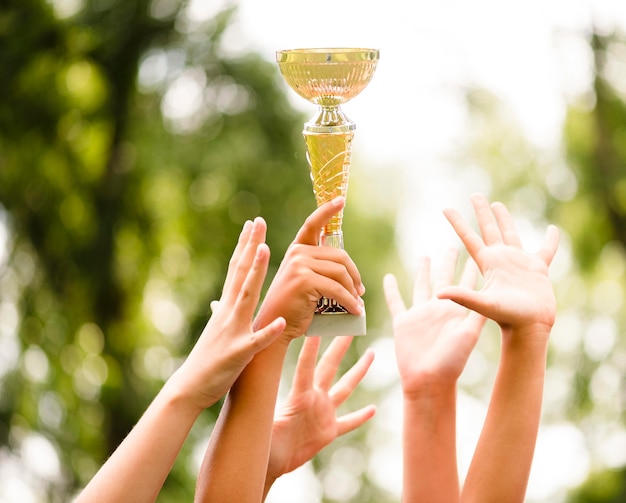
pixel 327 55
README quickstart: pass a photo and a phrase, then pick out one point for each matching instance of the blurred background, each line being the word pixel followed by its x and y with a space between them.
pixel 137 136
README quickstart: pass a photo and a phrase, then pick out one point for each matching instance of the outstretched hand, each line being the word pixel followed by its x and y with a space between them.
pixel 433 337
pixel 516 290
pixel 308 421
pixel 228 342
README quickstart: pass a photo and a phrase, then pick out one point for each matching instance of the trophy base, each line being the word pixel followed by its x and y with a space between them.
pixel 334 324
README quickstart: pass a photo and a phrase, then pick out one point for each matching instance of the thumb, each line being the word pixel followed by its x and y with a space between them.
pixel 269 333
pixel 309 233
pixel 466 297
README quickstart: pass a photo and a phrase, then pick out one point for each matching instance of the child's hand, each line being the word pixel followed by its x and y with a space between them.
pixel 433 337
pixel 309 272
pixel 228 342
pixel 308 420
pixel 517 293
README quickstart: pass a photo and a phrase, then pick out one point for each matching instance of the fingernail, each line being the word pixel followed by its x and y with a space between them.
pixel 361 289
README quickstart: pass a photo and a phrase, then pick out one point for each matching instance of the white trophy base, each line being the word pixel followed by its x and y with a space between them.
pixel 334 324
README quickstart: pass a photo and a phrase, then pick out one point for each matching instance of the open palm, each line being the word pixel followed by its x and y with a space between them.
pixel 308 421
pixel 433 337
pixel 516 286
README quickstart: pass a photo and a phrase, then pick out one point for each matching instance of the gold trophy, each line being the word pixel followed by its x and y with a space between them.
pixel 329 78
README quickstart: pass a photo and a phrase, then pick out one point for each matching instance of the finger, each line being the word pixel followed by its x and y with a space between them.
pixel 548 250
pixel 506 225
pixel 262 338
pixel 472 241
pixel 330 361
pixel 469 277
pixel 421 287
pixel 348 382
pixel 331 289
pixel 309 233
pixel 333 273
pixel 466 297
pixel 250 291
pixel 351 421
pixel 244 237
pixel 448 267
pixel 392 295
pixel 305 368
pixel 333 278
pixel 333 263
pixel 241 267
pixel 486 220
pixel 215 304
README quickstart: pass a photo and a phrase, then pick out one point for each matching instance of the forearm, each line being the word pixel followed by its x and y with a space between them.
pixel 235 463
pixel 136 471
pixel 429 450
pixel 501 465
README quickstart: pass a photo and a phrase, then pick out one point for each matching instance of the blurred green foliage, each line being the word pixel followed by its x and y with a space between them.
pixel 596 151
pixel 596 218
pixel 604 487
pixel 579 185
pixel 132 149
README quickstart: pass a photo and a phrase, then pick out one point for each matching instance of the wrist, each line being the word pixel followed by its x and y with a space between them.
pixel 527 338
pixel 429 390
pixel 175 394
pixel 432 409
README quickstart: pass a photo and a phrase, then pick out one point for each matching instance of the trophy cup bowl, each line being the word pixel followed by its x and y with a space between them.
pixel 329 78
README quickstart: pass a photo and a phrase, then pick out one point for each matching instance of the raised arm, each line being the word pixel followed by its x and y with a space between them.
pixel 517 294
pixel 433 340
pixel 235 464
pixel 138 468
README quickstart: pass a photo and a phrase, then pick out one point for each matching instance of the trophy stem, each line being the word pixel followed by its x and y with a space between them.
pixel 329 156
pixel 332 240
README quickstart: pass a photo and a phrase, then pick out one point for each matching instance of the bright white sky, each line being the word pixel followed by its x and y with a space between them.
pixel 529 53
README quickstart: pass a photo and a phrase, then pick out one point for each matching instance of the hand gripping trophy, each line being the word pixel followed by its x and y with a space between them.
pixel 329 78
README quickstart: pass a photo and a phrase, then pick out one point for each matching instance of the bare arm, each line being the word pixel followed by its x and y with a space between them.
pixel 433 340
pixel 236 460
pixel 517 294
pixel 138 468
pixel 501 464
